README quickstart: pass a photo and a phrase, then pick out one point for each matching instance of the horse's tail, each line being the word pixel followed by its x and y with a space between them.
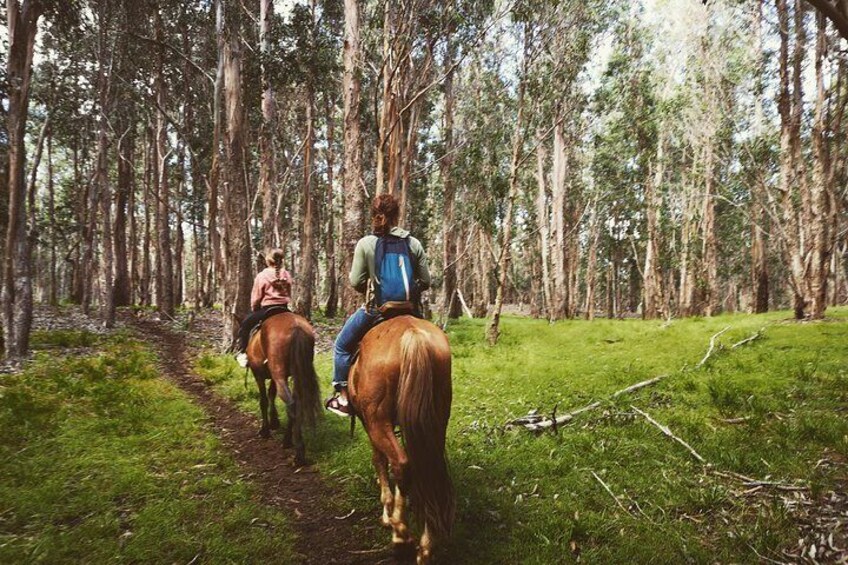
pixel 306 389
pixel 423 422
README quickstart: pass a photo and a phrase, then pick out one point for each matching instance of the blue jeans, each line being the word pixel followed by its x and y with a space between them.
pixel 347 342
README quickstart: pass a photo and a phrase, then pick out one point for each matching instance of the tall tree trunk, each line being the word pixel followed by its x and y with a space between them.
pixel 330 240
pixel 53 296
pixel 165 276
pixel 32 217
pixel 352 178
pixel 215 270
pixel 482 271
pixel 592 262
pixel 90 240
pixel 104 189
pixel 179 239
pixel 652 277
pixel 238 266
pixel 789 174
pixel 710 243
pixel 759 259
pixel 686 292
pixel 821 219
pixel 132 209
pixel 145 294
pixel 493 330
pixel 559 187
pixel 310 213
pixel 543 219
pixel 79 217
pixel 17 279
pixel 126 150
pixel 450 303
pixel 267 164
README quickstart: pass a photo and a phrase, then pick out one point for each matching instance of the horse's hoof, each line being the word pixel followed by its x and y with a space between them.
pixel 423 557
pixel 265 433
pixel 275 424
pixel 404 551
pixel 300 461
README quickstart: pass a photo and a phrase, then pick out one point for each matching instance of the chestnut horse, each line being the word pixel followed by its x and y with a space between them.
pixel 403 377
pixel 284 347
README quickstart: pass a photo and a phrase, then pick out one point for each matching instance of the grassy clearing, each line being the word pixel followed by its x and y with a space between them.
pixel 533 499
pixel 101 461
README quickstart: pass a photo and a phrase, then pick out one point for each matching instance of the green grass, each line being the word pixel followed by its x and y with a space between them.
pixel 100 461
pixel 524 498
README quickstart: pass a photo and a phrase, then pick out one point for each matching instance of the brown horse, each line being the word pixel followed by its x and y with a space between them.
pixel 284 347
pixel 403 377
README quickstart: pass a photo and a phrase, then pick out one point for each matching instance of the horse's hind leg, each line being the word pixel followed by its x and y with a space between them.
pixel 381 465
pixel 294 432
pixel 265 430
pixel 272 397
pixel 425 547
pixel 384 440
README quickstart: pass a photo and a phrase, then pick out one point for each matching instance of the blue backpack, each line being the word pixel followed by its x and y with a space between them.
pixel 393 262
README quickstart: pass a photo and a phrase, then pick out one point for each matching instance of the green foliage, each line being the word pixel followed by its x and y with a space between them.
pixel 62 338
pixel 102 461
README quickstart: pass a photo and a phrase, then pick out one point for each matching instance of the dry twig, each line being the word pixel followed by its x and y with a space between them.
pixel 712 348
pixel 606 488
pixel 753 337
pixel 667 431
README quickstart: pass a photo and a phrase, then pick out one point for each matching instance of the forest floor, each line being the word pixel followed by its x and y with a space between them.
pixel 323 533
pixel 606 486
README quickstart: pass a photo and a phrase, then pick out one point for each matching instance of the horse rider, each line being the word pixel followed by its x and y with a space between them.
pixel 390 267
pixel 271 290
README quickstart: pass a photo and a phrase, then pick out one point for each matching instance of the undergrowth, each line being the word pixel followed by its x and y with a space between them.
pixel 102 462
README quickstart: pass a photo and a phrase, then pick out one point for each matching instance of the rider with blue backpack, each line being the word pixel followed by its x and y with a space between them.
pixel 390 267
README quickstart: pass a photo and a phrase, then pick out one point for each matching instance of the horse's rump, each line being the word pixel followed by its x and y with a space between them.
pixel 403 376
pixel 284 348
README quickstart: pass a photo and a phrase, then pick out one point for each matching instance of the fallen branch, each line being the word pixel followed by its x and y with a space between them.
pixel 535 422
pixel 667 431
pixel 752 483
pixel 465 307
pixel 712 348
pixel 753 337
pixel 606 488
pixel 740 420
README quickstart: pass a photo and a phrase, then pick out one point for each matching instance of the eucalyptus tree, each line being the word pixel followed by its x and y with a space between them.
pixel 352 172
pixel 22 21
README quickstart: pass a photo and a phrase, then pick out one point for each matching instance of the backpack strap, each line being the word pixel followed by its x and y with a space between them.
pixel 379 254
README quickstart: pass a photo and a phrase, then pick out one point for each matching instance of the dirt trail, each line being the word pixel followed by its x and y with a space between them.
pixel 322 536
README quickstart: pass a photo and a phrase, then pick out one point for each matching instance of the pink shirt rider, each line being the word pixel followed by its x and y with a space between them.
pixel 264 293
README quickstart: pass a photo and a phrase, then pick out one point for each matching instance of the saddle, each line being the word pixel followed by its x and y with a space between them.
pixel 272 311
pixel 393 308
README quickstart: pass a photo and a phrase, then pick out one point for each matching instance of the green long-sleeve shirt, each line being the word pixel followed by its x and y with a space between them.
pixel 363 266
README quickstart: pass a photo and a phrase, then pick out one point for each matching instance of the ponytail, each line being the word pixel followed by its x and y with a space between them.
pixel 384 214
pixel 274 259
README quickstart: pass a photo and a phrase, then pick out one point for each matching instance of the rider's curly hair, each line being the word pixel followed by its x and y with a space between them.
pixel 384 214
